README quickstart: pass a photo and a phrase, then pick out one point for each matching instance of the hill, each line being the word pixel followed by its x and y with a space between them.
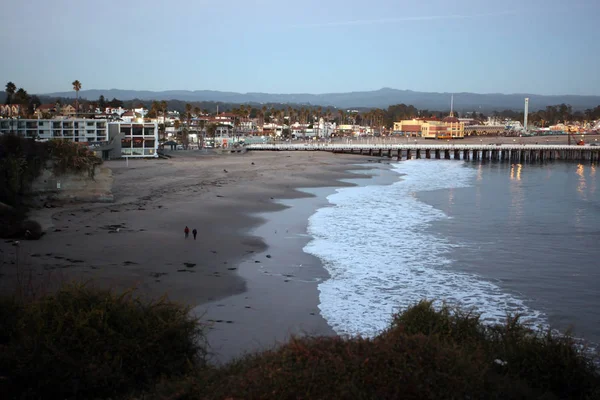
pixel 378 98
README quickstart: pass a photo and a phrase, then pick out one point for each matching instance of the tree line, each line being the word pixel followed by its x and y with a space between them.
pixel 303 114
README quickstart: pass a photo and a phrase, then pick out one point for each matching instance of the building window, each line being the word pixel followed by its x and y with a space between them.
pixel 137 131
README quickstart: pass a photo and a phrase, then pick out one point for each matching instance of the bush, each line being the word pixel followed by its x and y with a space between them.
pixel 83 343
pixel 425 354
pixel 71 157
pixel 86 343
pixel 551 362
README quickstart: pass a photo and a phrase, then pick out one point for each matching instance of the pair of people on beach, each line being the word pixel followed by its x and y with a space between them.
pixel 187 232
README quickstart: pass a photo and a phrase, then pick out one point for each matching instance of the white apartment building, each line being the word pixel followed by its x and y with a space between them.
pixel 108 139
pixel 77 130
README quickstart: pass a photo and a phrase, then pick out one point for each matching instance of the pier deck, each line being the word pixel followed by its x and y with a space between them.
pixel 494 152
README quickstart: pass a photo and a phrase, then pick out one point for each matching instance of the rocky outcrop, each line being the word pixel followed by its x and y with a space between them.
pixel 73 187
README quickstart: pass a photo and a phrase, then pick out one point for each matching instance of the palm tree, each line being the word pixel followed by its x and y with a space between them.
pixel 11 88
pixel 211 130
pixel 76 87
pixel 197 113
pixel 164 109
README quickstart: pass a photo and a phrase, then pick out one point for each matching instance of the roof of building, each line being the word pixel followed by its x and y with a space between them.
pixel 451 119
pixel 46 107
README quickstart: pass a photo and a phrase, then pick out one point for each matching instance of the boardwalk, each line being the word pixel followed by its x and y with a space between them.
pixel 504 152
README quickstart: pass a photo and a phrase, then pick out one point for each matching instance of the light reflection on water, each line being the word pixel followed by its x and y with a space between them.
pixel 582 186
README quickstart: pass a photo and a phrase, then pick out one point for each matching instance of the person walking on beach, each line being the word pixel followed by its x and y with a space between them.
pixel 186 231
pixel 194 232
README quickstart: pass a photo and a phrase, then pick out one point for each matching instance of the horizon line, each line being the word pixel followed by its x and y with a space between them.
pixel 320 94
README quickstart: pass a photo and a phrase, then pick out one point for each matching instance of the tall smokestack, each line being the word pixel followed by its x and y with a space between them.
pixel 526 112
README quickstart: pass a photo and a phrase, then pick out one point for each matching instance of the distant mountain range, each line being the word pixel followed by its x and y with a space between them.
pixel 381 98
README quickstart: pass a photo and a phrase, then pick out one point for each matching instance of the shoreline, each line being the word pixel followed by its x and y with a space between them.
pixel 282 296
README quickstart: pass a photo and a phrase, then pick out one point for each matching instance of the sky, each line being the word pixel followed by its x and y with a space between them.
pixel 308 46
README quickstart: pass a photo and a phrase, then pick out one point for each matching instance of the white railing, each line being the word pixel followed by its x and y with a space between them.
pixel 366 146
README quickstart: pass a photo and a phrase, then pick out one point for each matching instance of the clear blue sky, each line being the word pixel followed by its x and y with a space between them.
pixel 310 46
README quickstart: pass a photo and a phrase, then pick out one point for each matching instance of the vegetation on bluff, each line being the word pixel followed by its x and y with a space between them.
pixel 21 161
pixel 83 343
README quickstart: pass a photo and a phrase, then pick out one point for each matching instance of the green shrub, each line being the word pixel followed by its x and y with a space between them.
pixel 86 343
pixel 71 157
pixel 550 363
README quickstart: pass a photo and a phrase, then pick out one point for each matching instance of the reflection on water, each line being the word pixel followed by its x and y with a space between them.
pixel 581 186
pixel 518 173
pixel 516 194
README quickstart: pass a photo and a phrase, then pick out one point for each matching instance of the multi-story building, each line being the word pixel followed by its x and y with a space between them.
pixel 432 128
pixel 108 139
pixel 137 139
pixel 77 130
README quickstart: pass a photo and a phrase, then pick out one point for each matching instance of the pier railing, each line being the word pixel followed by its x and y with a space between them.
pixel 376 146
pixel 500 152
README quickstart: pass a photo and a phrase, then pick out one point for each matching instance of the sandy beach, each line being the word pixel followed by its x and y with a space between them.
pixel 138 241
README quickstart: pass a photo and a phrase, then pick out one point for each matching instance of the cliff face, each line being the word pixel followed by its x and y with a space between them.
pixel 71 187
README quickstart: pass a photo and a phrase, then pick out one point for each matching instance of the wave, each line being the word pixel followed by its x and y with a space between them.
pixel 375 243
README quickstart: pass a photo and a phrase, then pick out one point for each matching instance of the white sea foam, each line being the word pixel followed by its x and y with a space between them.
pixel 374 243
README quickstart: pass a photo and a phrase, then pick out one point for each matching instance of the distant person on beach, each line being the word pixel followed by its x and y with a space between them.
pixel 186 231
pixel 194 232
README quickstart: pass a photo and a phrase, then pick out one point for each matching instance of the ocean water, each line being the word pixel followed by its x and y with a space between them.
pixel 498 238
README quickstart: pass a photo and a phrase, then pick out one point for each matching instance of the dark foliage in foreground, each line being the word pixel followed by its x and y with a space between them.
pixel 82 343
pixel 85 343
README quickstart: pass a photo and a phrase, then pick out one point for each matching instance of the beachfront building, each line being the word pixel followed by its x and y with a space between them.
pixel 77 130
pixel 431 128
pixel 410 127
pixel 137 139
pixel 485 130
pixel 348 130
pixel 449 128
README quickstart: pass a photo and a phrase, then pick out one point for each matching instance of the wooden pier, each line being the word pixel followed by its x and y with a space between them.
pixel 505 152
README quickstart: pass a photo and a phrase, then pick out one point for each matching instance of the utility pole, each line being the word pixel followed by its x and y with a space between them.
pixel 526 112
